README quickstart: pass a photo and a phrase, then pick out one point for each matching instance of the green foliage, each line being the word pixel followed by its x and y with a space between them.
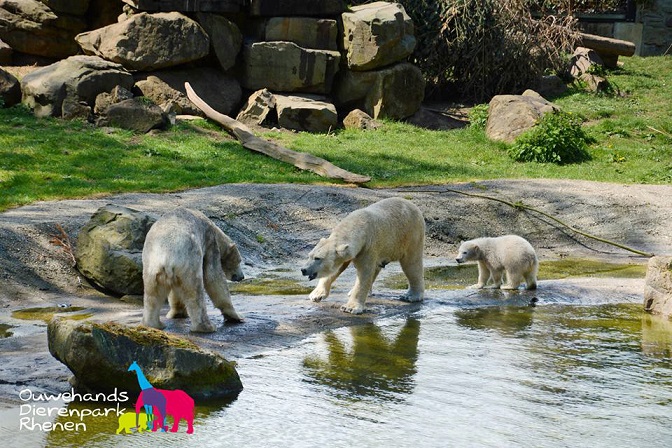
pixel 478 116
pixel 557 138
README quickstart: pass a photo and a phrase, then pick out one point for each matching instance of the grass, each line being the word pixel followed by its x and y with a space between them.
pixel 46 159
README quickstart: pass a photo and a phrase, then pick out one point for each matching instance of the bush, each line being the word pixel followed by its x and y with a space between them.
pixel 557 138
pixel 474 49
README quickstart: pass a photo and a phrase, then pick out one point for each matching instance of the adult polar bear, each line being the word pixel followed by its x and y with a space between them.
pixel 509 253
pixel 392 229
pixel 184 254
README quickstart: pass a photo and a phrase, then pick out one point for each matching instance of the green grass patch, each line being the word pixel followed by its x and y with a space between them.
pixel 272 286
pixel 47 313
pixel 45 159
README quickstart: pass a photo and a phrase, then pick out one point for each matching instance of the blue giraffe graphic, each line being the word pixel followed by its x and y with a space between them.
pixel 150 398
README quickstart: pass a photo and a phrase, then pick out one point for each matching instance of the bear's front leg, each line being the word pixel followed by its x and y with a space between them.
pixel 323 287
pixel 357 299
pixel 218 290
pixel 200 322
pixel 483 276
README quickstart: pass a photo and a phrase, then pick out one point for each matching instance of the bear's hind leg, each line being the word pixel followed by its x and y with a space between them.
pixel 531 280
pixel 414 271
pixel 151 310
pixel 177 308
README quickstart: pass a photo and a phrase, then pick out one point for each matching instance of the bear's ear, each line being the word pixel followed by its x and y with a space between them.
pixel 342 250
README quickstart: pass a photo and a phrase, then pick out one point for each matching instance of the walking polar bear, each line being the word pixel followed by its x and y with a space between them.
pixel 389 230
pixel 185 254
pixel 510 253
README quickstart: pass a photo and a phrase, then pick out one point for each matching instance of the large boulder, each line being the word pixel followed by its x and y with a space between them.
pixel 225 38
pixel 148 41
pixel 658 289
pixel 135 114
pixel 99 354
pixel 164 87
pixel 287 67
pixel 394 92
pixel 32 27
pixel 306 32
pixel 75 79
pixel 511 115
pixel 303 113
pixel 109 249
pixel 10 89
pixel 312 8
pixel 5 53
pixel 376 35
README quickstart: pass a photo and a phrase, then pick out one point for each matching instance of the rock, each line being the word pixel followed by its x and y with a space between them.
pixel 550 86
pixel 430 119
pixel 225 38
pixel 583 60
pixel 315 8
pixel 106 99
pixel 72 109
pixel 220 91
pixel 511 115
pixel 394 92
pixel 135 114
pixel 31 27
pixel 306 32
pixel 286 67
pixel 259 109
pixel 109 248
pixel 595 83
pixel 5 53
pixel 79 78
pixel 10 89
pixel 99 354
pixel 148 41
pixel 358 119
pixel 303 113
pixel 658 289
pixel 376 35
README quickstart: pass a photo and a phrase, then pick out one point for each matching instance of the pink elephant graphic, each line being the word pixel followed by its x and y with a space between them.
pixel 179 405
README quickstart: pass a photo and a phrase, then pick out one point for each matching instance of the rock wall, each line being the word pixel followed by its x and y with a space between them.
pixel 351 59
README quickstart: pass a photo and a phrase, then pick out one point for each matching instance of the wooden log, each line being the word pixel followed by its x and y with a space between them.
pixel 253 143
pixel 606 45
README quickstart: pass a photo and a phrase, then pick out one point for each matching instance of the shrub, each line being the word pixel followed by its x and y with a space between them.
pixel 478 116
pixel 557 138
pixel 475 49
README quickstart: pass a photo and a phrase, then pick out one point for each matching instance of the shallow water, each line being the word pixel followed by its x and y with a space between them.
pixel 554 375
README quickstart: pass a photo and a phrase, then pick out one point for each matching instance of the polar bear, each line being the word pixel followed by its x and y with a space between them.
pixel 392 229
pixel 185 254
pixel 509 253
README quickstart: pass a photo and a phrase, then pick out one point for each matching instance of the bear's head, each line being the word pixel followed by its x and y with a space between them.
pixel 231 261
pixel 326 258
pixel 468 251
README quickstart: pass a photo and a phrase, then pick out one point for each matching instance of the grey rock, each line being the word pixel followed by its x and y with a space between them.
pixel 99 354
pixel 511 115
pixel 109 248
pixel 79 78
pixel 303 113
pixel 136 114
pixel 658 289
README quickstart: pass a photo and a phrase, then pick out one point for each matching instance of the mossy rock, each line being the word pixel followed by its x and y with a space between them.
pixel 99 356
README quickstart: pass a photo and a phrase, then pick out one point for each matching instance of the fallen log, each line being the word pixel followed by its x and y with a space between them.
pixel 250 141
pixel 608 48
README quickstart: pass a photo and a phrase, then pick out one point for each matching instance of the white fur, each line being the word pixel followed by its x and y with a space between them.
pixel 184 255
pixel 392 229
pixel 495 256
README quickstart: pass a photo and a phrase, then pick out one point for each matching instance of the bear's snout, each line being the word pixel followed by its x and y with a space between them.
pixel 237 277
pixel 308 272
pixel 459 260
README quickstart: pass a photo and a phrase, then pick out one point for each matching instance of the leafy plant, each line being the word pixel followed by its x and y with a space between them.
pixel 478 116
pixel 557 138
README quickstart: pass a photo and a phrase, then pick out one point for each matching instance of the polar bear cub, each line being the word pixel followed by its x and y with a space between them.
pixel 392 229
pixel 509 253
pixel 184 255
